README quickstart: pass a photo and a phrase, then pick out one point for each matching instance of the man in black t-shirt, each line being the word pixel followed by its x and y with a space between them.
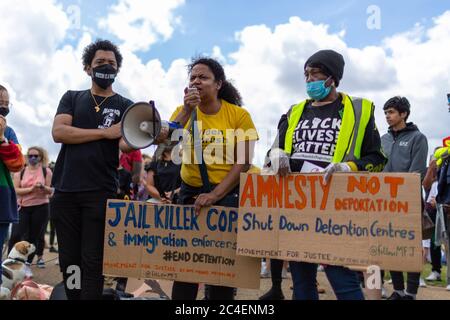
pixel 87 123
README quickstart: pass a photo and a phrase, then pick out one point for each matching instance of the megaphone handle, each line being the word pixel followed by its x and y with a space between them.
pixel 152 104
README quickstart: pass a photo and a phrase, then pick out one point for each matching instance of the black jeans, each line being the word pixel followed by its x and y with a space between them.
pixel 435 251
pixel 412 281
pixel 80 227
pixel 52 233
pixel 276 271
pixel 31 227
pixel 189 291
pixel 41 243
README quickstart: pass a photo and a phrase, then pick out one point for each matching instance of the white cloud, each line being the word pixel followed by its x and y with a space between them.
pixel 267 68
pixel 35 66
pixel 37 69
pixel 149 81
pixel 141 23
pixel 217 54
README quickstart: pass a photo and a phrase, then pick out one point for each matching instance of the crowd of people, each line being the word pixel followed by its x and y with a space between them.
pixel 331 131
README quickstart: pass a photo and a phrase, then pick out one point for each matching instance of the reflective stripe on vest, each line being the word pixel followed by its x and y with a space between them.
pixel 357 113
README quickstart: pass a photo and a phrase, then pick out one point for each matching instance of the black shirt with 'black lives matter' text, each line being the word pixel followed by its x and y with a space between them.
pixel 316 134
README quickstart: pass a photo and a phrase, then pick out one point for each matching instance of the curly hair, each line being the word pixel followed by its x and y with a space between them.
pixel 227 92
pixel 106 45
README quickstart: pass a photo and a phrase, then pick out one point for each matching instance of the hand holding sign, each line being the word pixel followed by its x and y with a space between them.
pixel 279 162
pixel 357 219
pixel 335 167
pixel 205 200
pixel 156 241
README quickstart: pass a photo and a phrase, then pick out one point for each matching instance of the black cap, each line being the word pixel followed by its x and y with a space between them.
pixel 331 63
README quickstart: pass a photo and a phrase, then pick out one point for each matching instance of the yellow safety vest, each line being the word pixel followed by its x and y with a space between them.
pixel 356 116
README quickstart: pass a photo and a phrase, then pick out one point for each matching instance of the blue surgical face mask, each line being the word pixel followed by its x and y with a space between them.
pixel 317 90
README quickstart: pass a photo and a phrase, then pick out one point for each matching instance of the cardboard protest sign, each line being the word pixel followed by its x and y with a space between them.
pixel 357 220
pixel 148 241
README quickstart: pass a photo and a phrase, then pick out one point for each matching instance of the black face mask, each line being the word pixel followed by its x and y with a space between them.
pixel 104 76
pixel 4 111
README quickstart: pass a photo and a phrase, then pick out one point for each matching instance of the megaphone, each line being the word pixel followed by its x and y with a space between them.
pixel 142 125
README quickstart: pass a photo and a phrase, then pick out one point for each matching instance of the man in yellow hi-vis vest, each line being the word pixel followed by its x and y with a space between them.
pixel 330 132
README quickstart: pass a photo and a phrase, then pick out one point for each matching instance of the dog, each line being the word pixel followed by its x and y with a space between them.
pixel 14 268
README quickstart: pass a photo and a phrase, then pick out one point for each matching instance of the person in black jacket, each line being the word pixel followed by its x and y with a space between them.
pixel 443 194
pixel 430 184
pixel 315 135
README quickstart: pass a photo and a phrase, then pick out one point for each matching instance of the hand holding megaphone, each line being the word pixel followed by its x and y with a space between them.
pixel 163 136
pixel 142 126
pixel 113 132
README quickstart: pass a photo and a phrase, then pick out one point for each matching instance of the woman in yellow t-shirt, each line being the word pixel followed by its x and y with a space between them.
pixel 227 136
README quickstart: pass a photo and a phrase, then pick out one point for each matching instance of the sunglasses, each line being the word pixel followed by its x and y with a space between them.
pixel 33 156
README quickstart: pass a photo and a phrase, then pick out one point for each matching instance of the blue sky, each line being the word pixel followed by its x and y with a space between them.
pixel 265 63
pixel 206 23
